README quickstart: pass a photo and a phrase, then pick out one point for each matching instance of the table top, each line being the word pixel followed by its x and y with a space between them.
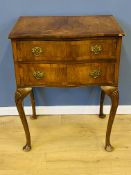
pixel 59 27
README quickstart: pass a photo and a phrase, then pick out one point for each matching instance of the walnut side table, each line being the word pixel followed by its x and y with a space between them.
pixel 66 51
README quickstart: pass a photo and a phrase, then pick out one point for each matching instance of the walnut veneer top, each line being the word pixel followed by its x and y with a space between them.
pixel 65 27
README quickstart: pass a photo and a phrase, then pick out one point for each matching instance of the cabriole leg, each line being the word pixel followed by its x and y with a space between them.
pixel 113 93
pixel 20 94
pixel 101 115
pixel 33 105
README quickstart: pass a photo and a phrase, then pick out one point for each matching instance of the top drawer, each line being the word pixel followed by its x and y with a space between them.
pixel 103 48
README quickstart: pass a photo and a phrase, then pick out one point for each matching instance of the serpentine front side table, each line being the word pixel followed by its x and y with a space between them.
pixel 66 51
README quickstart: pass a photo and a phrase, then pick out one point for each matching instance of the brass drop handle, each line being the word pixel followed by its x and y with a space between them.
pixel 36 51
pixel 95 74
pixel 96 49
pixel 38 75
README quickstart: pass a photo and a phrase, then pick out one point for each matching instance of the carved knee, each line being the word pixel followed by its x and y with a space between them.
pixel 21 93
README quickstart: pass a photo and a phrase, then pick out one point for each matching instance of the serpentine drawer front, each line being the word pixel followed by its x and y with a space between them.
pixel 64 74
pixel 66 51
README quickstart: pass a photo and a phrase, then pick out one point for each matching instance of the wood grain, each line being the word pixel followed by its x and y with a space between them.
pixel 79 74
pixel 66 50
pixel 54 74
pixel 64 74
pixel 65 27
pixel 67 144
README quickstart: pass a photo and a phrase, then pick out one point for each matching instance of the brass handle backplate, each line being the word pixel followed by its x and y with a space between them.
pixel 37 51
pixel 38 75
pixel 95 74
pixel 96 49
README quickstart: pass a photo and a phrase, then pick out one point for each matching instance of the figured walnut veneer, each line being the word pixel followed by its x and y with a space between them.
pixel 66 51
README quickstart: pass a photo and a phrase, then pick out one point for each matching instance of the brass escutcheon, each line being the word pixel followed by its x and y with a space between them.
pixel 38 75
pixel 96 49
pixel 37 51
pixel 95 74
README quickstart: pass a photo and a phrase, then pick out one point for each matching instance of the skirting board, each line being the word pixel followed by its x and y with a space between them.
pixel 54 110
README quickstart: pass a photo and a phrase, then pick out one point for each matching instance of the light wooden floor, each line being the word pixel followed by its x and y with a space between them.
pixel 65 145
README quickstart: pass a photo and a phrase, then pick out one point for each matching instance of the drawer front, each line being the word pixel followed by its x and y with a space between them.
pixel 97 74
pixel 64 74
pixel 40 74
pixel 66 50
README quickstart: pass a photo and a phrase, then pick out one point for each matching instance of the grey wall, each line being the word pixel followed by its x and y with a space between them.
pixel 10 10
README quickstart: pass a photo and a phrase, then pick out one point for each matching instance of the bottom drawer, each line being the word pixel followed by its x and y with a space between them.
pixel 92 73
pixel 64 74
pixel 40 74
